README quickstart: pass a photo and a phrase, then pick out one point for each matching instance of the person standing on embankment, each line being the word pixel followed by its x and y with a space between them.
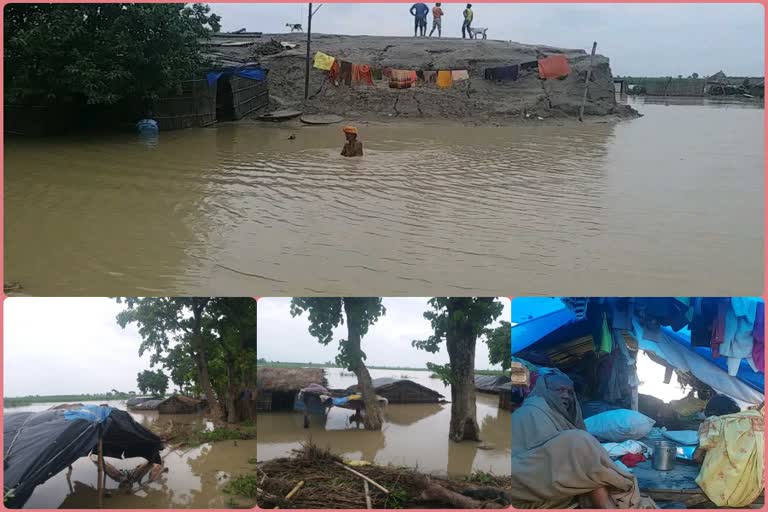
pixel 437 20
pixel 419 12
pixel 466 26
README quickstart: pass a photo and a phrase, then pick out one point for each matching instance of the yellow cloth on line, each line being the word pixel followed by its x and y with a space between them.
pixel 459 74
pixel 323 61
pixel 444 79
pixel 732 473
pixel 356 396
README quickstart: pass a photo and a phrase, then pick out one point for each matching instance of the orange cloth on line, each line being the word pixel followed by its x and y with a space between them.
pixel 402 79
pixel 333 73
pixel 555 66
pixel 361 73
pixel 349 129
pixel 444 79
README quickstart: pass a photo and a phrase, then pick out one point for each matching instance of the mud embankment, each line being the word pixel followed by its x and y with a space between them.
pixel 476 99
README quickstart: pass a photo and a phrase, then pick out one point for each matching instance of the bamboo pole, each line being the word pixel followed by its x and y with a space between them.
pixel 383 489
pixel 586 82
pixel 368 504
pixel 100 484
pixel 309 41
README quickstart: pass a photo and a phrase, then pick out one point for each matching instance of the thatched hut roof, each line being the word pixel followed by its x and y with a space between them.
pixel 288 379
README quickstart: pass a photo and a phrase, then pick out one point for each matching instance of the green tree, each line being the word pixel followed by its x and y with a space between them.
pixel 459 322
pixel 499 341
pixel 101 53
pixel 325 314
pixel 155 382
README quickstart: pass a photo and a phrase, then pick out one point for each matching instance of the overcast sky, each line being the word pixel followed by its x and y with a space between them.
pixel 59 346
pixel 640 39
pixel 281 337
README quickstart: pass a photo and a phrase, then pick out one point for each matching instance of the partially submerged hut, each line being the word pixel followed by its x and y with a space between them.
pixel 132 402
pixel 402 391
pixel 146 405
pixel 180 404
pixel 277 388
pixel 490 383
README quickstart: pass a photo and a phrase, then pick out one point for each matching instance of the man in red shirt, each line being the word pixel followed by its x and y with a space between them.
pixel 437 17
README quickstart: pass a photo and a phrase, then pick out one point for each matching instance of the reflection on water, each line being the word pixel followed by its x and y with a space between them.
pixel 195 476
pixel 414 435
pixel 243 210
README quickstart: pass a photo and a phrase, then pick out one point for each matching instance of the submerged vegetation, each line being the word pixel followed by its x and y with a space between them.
pixel 21 401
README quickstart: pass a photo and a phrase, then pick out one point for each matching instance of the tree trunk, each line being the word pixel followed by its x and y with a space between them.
pixel 231 394
pixel 372 418
pixel 461 351
pixel 202 367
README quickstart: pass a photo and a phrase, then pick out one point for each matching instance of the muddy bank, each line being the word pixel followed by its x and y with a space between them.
pixel 315 478
pixel 476 99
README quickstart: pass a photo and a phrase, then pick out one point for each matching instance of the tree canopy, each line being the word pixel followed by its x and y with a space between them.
pixel 101 53
pixel 499 341
pixel 154 382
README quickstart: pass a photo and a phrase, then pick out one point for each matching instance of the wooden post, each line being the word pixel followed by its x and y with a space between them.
pixel 101 473
pixel 586 82
pixel 309 40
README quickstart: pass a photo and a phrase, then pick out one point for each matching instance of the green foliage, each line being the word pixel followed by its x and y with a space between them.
pixel 397 498
pixel 499 341
pixel 102 53
pixel 440 371
pixel 155 382
pixel 243 485
pixel 222 434
pixel 327 313
pixel 481 477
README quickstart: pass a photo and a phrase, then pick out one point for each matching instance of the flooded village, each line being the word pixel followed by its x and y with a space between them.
pixel 161 442
pixel 186 210
pixel 440 434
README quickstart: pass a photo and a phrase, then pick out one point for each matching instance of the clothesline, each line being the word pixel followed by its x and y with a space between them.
pixel 555 66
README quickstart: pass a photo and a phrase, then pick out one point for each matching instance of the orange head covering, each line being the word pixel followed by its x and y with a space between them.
pixel 350 129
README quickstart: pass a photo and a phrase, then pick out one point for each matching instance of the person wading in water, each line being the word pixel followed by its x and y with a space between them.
pixel 353 147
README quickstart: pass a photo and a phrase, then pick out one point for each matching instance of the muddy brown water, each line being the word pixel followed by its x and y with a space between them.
pixel 414 435
pixel 648 206
pixel 195 477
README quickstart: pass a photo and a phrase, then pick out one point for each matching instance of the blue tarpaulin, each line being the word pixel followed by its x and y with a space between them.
pixel 93 413
pixel 250 73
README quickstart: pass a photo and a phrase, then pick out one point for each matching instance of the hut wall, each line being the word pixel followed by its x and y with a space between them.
pixel 264 401
pixel 248 95
pixel 195 106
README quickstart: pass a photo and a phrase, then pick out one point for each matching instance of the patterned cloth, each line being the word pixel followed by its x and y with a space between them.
pixel 323 61
pixel 732 473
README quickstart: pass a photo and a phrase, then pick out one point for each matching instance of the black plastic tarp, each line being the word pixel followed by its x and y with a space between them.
pixel 37 445
pixel 490 383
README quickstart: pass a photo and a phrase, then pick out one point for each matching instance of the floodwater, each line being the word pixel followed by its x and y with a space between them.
pixel 414 435
pixel 195 476
pixel 649 206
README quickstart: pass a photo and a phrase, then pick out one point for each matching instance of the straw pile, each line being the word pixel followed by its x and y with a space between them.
pixel 288 379
pixel 328 485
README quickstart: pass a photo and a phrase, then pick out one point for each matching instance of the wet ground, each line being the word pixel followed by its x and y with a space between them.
pixel 195 476
pixel 414 435
pixel 647 206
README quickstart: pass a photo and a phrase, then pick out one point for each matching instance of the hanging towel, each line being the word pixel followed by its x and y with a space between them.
pixel 503 73
pixel 430 76
pixel 376 74
pixel 346 72
pixel 361 73
pixel 323 61
pixel 555 66
pixel 606 340
pixel 444 79
pixel 459 75
pixel 758 350
pixel 402 79
pixel 334 73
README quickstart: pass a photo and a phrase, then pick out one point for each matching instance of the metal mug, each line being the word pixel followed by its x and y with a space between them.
pixel 664 454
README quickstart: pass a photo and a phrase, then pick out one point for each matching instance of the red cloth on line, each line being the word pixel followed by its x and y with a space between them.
pixel 361 73
pixel 555 66
pixel 632 459
pixel 334 72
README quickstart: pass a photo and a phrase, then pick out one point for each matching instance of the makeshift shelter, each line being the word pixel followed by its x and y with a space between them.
pixel 490 383
pixel 38 445
pixel 277 388
pixel 132 402
pixel 402 391
pixel 179 404
pixel 146 405
pixel 598 346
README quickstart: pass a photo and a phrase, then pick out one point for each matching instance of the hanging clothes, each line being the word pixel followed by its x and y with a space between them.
pixel 386 73
pixel 718 327
pixel 361 74
pixel 705 312
pixel 606 340
pixel 758 334
pixel 402 79
pixel 430 76
pixel 554 66
pixel 346 72
pixel 444 79
pixel 503 73
pixel 323 61
pixel 376 73
pixel 459 75
pixel 334 73
pixel 738 340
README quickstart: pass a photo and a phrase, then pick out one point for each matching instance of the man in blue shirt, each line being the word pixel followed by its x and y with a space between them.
pixel 419 12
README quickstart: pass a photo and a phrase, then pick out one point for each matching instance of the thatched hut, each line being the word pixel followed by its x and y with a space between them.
pixel 402 391
pixel 146 405
pixel 490 383
pixel 179 404
pixel 276 388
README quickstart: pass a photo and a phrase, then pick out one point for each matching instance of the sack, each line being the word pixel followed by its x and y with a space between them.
pixel 619 425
